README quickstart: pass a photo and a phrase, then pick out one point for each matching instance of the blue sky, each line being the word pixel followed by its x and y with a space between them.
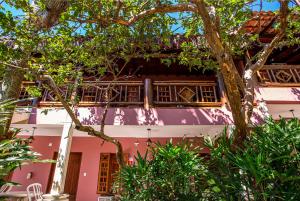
pixel 267 6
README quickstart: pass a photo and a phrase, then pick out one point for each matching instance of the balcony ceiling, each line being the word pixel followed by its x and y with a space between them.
pixel 129 131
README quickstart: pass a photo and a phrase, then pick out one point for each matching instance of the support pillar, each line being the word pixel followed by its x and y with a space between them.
pixel 222 90
pixel 60 173
pixel 61 167
pixel 262 107
pixel 148 94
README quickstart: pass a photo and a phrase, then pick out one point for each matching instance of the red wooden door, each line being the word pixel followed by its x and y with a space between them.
pixel 72 174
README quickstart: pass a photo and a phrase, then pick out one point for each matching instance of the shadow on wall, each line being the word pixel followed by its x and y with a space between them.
pixel 156 116
pixel 296 91
pixel 61 164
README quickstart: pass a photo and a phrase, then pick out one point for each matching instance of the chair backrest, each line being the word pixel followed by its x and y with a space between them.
pixel 105 198
pixel 5 188
pixel 34 192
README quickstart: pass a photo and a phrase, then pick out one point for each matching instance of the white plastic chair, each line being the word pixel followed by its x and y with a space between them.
pixel 34 192
pixel 5 188
pixel 106 198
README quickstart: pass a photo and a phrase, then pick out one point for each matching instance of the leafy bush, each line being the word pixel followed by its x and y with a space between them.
pixel 13 153
pixel 267 168
pixel 173 173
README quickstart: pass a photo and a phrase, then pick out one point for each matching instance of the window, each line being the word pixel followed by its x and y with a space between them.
pixel 108 169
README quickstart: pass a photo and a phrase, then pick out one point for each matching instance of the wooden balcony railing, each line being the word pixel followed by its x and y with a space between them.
pixel 122 93
pixel 279 75
pixel 184 93
pixel 157 93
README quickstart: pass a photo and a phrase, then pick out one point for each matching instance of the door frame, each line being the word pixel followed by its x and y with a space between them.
pixel 52 169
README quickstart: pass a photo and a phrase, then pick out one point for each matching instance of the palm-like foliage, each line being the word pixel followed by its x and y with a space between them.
pixel 14 152
pixel 5 113
pixel 267 168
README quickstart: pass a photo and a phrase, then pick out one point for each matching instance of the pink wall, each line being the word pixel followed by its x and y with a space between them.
pixel 90 147
pixel 279 94
pixel 137 116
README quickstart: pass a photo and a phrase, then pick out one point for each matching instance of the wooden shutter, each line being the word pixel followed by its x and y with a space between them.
pixel 108 168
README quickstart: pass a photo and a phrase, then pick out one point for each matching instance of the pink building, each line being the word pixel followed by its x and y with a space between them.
pixel 183 104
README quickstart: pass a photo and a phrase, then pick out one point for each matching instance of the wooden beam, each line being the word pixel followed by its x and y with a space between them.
pixel 148 94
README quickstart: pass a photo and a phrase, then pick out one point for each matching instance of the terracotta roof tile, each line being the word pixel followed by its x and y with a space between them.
pixel 260 22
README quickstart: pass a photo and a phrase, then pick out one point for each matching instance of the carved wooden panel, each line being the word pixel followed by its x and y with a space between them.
pixel 285 74
pixel 89 94
pixel 186 94
pixel 121 93
pixel 23 93
pixel 181 93
pixel 50 96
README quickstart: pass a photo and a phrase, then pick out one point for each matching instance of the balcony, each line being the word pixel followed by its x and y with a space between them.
pixel 184 93
pixel 136 93
pixel 279 75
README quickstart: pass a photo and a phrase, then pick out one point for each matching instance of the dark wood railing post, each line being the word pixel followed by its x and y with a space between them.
pixel 148 94
pixel 222 90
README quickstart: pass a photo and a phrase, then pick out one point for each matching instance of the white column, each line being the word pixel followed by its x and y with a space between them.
pixel 62 159
pixel 262 107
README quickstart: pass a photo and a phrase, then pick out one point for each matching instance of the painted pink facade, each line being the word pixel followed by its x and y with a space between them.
pixel 90 148
pixel 130 124
pixel 118 120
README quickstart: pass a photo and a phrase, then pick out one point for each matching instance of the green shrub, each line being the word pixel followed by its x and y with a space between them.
pixel 14 152
pixel 267 168
pixel 173 173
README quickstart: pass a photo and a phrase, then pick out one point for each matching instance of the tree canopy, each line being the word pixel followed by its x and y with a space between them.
pixel 56 37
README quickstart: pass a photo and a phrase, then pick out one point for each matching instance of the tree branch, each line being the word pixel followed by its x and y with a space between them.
pixel 268 49
pixel 78 126
pixel 145 13
pixel 54 8
pixel 297 2
pixel 250 72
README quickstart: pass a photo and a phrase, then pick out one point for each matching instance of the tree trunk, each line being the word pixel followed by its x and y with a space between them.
pixel 13 77
pixel 90 130
pixel 234 99
pixel 249 94
pixel 10 87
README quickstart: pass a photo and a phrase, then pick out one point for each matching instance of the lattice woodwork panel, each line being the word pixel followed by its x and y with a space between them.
pixel 208 94
pixel 23 93
pixel 108 170
pixel 89 94
pixel 182 93
pixel 264 76
pixel 133 94
pixel 163 93
pixel 103 178
pixel 277 75
pixel 186 94
pixel 49 95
